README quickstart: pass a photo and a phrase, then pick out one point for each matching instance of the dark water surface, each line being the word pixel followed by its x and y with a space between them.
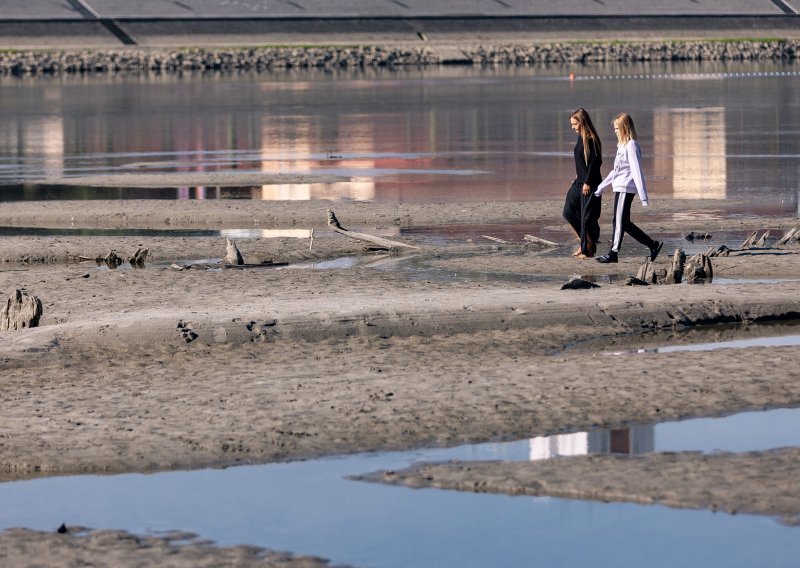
pixel 711 130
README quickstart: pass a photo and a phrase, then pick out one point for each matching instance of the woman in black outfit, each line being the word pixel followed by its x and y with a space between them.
pixel 582 206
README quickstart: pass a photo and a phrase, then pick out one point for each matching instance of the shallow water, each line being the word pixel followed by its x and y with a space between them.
pixel 711 130
pixel 309 507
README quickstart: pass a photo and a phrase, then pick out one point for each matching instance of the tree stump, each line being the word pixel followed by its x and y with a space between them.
pixel 699 267
pixel 111 260
pixel 20 311
pixel 647 273
pixel 675 271
pixel 234 256
pixel 138 258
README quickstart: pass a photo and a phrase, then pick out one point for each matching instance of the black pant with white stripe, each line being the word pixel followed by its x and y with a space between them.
pixel 622 224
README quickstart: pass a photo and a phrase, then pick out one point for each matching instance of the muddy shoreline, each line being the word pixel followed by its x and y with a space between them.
pixel 299 362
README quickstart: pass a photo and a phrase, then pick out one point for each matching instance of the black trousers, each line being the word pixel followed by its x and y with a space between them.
pixel 621 221
pixel 582 212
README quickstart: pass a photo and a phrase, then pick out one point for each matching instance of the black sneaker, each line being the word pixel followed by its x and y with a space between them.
pixel 607 258
pixel 656 248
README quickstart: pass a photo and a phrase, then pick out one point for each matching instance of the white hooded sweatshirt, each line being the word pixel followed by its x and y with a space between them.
pixel 626 177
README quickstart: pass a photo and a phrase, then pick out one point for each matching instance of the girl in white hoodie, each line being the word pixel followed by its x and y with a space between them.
pixel 627 180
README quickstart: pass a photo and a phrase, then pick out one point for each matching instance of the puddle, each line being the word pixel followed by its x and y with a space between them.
pixel 70 232
pixel 770 341
pixel 310 508
pixel 343 262
pixel 724 281
pixel 779 341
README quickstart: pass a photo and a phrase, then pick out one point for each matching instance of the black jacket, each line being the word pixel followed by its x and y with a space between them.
pixel 588 173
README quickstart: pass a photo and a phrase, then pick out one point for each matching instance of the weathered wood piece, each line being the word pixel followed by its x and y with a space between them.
pixel 111 260
pixel 386 244
pixel 721 250
pixel 138 258
pixel 748 242
pixel 233 255
pixel 20 311
pixel 647 273
pixel 539 241
pixel 578 283
pixel 674 273
pixel 790 234
pixel 763 240
pixel 692 236
pixel 495 239
pixel 699 267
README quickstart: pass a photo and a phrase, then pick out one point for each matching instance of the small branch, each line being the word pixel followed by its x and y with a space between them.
pixel 539 241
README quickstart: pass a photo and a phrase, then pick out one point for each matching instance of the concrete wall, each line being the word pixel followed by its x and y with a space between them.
pixel 442 23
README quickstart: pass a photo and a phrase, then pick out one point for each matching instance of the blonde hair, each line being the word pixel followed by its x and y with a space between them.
pixel 588 133
pixel 627 131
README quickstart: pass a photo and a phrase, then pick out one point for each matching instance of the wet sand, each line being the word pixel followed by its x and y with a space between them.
pixel 159 369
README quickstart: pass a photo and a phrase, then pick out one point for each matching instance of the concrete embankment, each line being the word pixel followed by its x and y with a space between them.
pixel 175 60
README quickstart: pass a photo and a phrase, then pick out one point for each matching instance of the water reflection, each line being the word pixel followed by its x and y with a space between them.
pixel 694 139
pixel 413 135
pixel 625 441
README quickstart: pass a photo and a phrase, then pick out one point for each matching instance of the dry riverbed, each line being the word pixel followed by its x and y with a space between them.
pixel 161 369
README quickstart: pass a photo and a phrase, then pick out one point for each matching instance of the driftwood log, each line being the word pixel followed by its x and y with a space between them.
pixel 539 241
pixel 113 260
pixel 385 244
pixel 20 311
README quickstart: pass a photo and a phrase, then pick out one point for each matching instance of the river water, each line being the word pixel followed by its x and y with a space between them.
pixel 714 131
pixel 311 507
pixel 449 133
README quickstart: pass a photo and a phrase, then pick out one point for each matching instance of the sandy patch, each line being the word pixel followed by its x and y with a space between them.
pixel 755 482
pixel 82 547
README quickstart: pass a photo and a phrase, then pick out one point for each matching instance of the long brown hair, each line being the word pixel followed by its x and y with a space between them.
pixel 588 133
pixel 627 131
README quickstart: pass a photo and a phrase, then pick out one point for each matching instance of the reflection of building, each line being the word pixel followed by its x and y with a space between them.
pixel 689 149
pixel 286 148
pixel 628 441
